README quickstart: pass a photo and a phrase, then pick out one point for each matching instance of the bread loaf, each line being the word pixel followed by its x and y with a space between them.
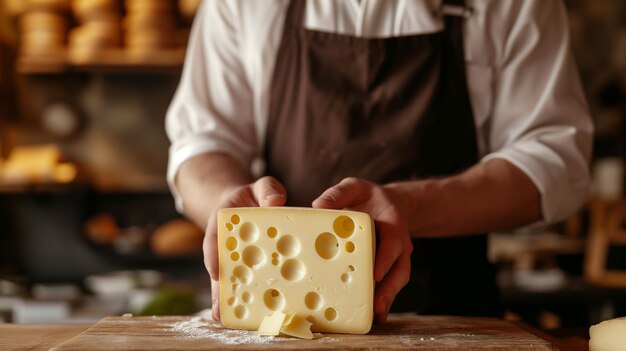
pixel 177 237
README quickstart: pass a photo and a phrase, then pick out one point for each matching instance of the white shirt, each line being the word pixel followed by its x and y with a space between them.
pixel 528 104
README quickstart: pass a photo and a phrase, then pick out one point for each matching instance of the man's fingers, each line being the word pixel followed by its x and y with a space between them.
pixel 389 249
pixel 209 246
pixel 387 290
pixel 242 197
pixel 215 299
pixel 269 192
pixel 349 192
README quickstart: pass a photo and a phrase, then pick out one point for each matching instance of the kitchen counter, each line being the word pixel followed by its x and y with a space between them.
pixel 44 337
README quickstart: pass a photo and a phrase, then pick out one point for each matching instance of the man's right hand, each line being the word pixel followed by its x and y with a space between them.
pixel 265 192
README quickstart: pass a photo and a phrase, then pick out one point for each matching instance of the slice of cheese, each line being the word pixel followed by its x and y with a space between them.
pixel 317 264
pixel 272 324
pixel 608 336
pixel 298 327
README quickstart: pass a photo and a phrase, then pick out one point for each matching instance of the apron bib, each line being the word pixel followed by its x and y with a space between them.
pixel 383 110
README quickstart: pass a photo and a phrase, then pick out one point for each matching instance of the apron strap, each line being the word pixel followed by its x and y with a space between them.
pixel 295 13
pixel 453 42
pixel 455 8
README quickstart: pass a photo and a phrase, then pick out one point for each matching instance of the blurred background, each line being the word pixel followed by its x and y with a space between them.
pixel 89 229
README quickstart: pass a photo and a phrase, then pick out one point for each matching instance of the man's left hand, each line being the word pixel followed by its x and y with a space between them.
pixel 392 268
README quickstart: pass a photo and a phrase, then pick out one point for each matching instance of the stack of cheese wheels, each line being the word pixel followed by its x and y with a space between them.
pixel 99 30
pixel 188 8
pixel 43 27
pixel 150 26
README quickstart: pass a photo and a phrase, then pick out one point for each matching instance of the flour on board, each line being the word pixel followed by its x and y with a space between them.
pixel 201 328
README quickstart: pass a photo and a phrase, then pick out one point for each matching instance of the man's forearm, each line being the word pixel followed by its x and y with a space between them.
pixel 203 180
pixel 490 196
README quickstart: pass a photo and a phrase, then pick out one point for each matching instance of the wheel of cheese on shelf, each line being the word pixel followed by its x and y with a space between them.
pixel 100 29
pixel 133 6
pixel 96 34
pixel 39 43
pixel 151 39
pixel 51 54
pixel 188 8
pixel 15 8
pixel 50 51
pixel 83 54
pixel 100 16
pixel 49 5
pixel 86 10
pixel 43 21
pixel 140 21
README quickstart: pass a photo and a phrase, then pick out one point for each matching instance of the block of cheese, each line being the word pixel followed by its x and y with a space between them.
pixel 317 264
pixel 608 336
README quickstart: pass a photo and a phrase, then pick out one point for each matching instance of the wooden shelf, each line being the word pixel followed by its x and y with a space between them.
pixel 50 188
pixel 113 60
pixel 80 186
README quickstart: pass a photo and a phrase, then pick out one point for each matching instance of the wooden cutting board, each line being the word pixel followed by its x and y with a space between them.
pixel 399 333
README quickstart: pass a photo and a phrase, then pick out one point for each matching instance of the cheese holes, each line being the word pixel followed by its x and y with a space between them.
pixel 273 300
pixel 231 301
pixel 346 278
pixel 288 246
pixel 248 232
pixel 351 268
pixel 246 297
pixel 330 314
pixel 350 247
pixel 234 256
pixel 313 300
pixel 235 219
pixel 293 270
pixel 275 260
pixel 243 274
pixel 343 226
pixel 241 312
pixel 229 226
pixel 231 243
pixel 272 232
pixel 326 246
pixel 253 257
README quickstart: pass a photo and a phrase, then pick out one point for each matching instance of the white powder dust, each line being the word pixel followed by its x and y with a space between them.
pixel 201 328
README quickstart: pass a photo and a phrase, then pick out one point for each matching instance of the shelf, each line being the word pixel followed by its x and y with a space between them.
pixel 58 188
pixel 50 188
pixel 112 60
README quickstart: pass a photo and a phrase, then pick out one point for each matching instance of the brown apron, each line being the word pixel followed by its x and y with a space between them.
pixel 383 110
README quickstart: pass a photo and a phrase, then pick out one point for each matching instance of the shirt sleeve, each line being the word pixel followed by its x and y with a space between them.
pixel 212 109
pixel 540 121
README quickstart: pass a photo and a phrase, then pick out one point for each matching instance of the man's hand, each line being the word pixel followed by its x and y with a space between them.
pixel 265 192
pixel 392 267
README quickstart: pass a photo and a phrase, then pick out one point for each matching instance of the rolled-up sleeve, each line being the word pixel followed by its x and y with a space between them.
pixel 212 108
pixel 540 120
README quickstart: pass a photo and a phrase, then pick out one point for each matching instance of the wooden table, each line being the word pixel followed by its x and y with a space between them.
pixel 37 337
pixel 44 337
